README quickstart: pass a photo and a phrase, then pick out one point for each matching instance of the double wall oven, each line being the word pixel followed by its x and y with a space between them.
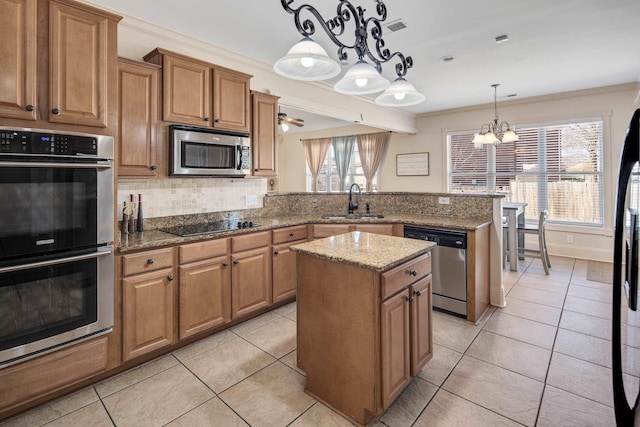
pixel 56 240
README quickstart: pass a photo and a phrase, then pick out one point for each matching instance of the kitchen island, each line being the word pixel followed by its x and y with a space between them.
pixel 364 319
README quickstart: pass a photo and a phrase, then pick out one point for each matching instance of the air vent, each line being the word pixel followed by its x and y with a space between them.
pixel 394 26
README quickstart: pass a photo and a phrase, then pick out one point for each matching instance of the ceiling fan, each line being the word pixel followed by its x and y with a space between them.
pixel 283 119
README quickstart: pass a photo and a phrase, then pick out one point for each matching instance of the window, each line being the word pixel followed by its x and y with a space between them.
pixel 328 174
pixel 552 167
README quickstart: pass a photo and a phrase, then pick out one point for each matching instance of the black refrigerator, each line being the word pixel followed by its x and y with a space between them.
pixel 626 317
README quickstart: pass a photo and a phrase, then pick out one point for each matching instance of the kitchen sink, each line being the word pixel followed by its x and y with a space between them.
pixel 351 216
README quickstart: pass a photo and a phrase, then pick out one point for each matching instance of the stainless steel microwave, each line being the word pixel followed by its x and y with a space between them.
pixel 208 152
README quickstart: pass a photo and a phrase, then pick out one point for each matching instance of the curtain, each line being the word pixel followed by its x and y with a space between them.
pixel 371 147
pixel 315 150
pixel 343 149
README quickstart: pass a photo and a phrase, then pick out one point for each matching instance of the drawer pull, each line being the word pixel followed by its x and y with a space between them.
pixel 149 261
pixel 170 277
pixel 417 293
pixel 235 261
pixel 413 273
pixel 292 234
pixel 276 252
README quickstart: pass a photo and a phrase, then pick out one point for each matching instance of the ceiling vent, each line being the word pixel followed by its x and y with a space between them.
pixel 393 26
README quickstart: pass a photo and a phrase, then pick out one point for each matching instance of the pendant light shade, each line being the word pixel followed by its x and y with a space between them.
pixel 361 79
pixel 308 61
pixel 510 136
pixel 401 93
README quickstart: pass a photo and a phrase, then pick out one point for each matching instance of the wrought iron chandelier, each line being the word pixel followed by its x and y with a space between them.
pixel 495 133
pixel 307 60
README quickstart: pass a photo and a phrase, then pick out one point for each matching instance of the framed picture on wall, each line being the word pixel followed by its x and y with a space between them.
pixel 412 164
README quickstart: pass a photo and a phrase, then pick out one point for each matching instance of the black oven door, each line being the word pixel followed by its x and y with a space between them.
pixel 54 301
pixel 49 207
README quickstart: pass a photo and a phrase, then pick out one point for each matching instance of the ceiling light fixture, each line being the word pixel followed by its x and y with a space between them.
pixel 307 60
pixel 495 133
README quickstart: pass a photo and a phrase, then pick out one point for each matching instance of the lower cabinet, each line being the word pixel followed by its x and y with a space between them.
pixel 318 231
pixel 205 295
pixel 405 337
pixel 148 302
pixel 250 281
pixel 284 272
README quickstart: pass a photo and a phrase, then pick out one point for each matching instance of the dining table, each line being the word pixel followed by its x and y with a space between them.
pixel 514 213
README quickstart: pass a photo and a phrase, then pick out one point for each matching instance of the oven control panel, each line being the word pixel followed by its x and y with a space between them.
pixel 28 142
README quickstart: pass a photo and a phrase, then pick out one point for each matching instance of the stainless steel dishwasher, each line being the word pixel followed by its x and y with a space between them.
pixel 449 263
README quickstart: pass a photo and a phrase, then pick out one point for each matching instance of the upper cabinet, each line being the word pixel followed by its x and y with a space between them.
pixel 264 135
pixel 59 62
pixel 18 59
pixel 202 94
pixel 137 118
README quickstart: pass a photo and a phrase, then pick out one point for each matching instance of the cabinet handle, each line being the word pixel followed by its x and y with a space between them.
pixel 410 299
pixel 292 234
pixel 153 167
pixel 235 261
pixel 29 107
pixel 217 120
pixel 55 111
pixel 256 170
pixel 276 252
pixel 150 261
pixel 417 293
pixel 413 273
pixel 206 119
pixel 225 264
pixel 170 277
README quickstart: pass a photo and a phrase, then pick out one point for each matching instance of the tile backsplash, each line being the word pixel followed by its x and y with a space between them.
pixel 183 196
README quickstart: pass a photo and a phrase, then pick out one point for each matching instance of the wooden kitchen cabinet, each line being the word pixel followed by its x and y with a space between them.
pixel 319 231
pixel 264 134
pixel 137 119
pixel 284 261
pixel 18 23
pixel 197 93
pixel 61 77
pixel 387 229
pixel 148 302
pixel 250 273
pixel 205 286
pixel 81 52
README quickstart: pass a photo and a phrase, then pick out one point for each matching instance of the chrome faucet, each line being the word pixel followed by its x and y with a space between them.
pixel 353 206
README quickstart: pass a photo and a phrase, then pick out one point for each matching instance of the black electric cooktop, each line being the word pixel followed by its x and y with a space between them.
pixel 208 227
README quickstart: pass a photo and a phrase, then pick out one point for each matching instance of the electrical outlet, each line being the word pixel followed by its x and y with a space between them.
pixel 569 238
pixel 444 200
pixel 251 200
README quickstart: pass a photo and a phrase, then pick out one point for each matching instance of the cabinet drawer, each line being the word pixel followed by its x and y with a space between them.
pixel 289 234
pixel 203 250
pixel 405 274
pixel 326 230
pixel 249 241
pixel 147 261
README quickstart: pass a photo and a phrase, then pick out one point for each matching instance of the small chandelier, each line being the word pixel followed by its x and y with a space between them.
pixel 308 61
pixel 495 133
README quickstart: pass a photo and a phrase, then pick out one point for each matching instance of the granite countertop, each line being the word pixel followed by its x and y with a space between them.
pixel 155 238
pixel 367 250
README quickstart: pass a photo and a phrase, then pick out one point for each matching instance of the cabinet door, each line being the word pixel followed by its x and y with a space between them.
pixel 205 296
pixel 137 118
pixel 186 91
pixel 264 135
pixel 231 100
pixel 18 59
pixel 284 272
pixel 386 229
pixel 79 55
pixel 250 281
pixel 147 312
pixel 394 315
pixel 421 327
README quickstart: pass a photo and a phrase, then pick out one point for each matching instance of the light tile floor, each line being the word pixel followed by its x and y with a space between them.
pixel 543 360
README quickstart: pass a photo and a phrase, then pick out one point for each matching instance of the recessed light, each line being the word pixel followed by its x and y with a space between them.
pixel 447 58
pixel 503 38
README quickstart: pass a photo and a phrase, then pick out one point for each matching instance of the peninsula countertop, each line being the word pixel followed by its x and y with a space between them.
pixel 156 238
pixel 367 250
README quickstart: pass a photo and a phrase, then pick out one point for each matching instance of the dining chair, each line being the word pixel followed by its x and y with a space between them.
pixel 540 230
